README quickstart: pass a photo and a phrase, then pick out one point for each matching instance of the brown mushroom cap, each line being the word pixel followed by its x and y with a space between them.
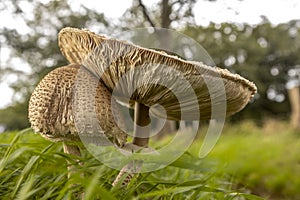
pixel 120 65
pixel 56 112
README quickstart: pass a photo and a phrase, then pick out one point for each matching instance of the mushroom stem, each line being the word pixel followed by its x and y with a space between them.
pixel 141 138
pixel 141 128
pixel 72 150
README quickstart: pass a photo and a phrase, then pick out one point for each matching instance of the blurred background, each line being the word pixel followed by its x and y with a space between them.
pixel 259 40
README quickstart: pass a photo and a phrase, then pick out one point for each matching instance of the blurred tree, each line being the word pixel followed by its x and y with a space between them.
pixel 37 47
pixel 164 14
pixel 294 96
pixel 263 53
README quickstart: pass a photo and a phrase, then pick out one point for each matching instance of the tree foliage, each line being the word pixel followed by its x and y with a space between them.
pixel 164 14
pixel 263 53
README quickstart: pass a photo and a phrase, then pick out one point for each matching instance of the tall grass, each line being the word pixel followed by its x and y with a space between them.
pixel 264 160
pixel 33 168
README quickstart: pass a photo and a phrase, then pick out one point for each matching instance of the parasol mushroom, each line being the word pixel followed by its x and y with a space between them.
pixel 134 75
pixel 53 111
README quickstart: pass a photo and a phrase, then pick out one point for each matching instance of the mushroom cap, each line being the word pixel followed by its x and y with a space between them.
pixel 60 103
pixel 151 77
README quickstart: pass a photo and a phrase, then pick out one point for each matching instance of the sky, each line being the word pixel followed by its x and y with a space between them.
pixel 245 11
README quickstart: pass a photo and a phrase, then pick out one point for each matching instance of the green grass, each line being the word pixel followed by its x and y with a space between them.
pixel 247 160
pixel 264 160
